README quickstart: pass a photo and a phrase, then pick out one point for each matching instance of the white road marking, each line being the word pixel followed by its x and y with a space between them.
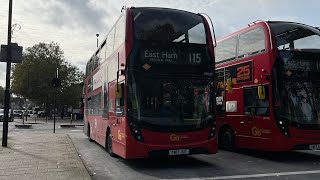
pixel 75 130
pixel 255 175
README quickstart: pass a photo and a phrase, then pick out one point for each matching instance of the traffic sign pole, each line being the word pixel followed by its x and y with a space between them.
pixel 7 90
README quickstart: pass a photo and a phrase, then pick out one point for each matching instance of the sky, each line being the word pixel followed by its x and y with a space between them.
pixel 73 24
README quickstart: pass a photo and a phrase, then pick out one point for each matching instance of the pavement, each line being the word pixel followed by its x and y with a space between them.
pixel 41 157
pixel 35 120
pixel 46 124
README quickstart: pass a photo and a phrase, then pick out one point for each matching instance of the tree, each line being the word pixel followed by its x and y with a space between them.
pixel 17 102
pixel 32 78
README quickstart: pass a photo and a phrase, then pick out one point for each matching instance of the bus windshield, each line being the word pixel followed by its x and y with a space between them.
pixel 169 39
pixel 170 103
pixel 168 26
pixel 297 74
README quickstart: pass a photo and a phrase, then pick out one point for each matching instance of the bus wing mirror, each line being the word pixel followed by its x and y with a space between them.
pixel 229 85
pixel 261 92
pixel 118 91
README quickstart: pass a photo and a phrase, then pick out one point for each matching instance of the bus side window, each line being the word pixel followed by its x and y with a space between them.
pixel 251 43
pixel 120 101
pixel 105 100
pixel 252 104
pixel 88 105
pixel 226 50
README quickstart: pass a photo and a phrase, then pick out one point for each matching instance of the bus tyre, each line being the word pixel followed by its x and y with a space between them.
pixel 89 133
pixel 226 139
pixel 109 145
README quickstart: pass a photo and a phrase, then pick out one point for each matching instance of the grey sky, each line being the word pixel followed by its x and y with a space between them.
pixel 74 23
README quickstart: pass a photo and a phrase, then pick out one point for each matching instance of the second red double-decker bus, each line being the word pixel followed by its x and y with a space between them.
pixel 268 95
pixel 149 86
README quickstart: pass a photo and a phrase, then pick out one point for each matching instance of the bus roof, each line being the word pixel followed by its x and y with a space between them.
pixel 259 23
pixel 250 26
pixel 164 8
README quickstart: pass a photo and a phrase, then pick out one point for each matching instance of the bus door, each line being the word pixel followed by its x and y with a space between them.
pixel 116 116
pixel 257 122
pixel 235 117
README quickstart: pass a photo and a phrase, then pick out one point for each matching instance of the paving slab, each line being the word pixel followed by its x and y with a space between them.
pixel 45 156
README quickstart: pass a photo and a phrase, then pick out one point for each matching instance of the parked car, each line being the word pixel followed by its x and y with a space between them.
pixel 17 113
pixel 2 115
pixel 40 113
pixel 32 114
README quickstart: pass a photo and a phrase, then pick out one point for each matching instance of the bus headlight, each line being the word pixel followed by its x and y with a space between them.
pixel 283 125
pixel 212 130
pixel 136 132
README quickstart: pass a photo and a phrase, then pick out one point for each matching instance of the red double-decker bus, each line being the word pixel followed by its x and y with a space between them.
pixel 268 95
pixel 149 86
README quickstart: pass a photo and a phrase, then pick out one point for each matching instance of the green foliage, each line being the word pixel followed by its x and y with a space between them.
pixel 18 101
pixel 32 78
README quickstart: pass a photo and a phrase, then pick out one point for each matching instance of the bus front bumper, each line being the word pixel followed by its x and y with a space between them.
pixel 143 150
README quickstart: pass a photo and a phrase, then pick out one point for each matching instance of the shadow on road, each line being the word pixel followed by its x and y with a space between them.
pixel 183 162
pixel 177 167
pixel 286 157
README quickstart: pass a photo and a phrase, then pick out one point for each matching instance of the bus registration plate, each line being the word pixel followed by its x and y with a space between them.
pixel 314 146
pixel 178 152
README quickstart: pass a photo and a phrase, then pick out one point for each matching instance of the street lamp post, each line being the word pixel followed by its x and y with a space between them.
pixel 55 105
pixel 56 82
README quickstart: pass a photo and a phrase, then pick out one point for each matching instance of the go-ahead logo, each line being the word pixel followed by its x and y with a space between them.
pixel 258 132
pixel 176 137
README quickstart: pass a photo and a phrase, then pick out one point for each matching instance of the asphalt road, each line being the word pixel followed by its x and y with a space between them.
pixel 242 164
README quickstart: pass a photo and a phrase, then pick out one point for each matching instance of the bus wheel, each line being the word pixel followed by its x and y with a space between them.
pixel 226 139
pixel 109 144
pixel 89 134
